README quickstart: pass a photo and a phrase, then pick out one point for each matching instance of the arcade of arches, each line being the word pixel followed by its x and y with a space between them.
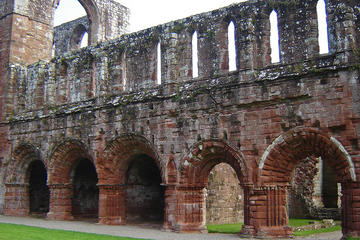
pixel 130 184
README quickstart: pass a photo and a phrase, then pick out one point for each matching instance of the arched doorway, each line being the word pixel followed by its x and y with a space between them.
pixel 144 193
pixel 130 182
pixel 197 167
pixel 26 191
pixel 85 191
pixel 72 182
pixel 39 194
pixel 277 164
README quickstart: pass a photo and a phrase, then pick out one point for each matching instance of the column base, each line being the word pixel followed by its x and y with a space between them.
pixel 190 229
pixel 16 212
pixel 348 235
pixel 247 231
pixel 274 232
pixel 59 216
pixel 112 221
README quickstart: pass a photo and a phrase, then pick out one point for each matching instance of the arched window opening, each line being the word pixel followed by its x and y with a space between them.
pixel 85 40
pixel 79 37
pixel 232 46
pixel 274 37
pixel 62 11
pixel 124 76
pixel 224 196
pixel 322 27
pixel 39 193
pixel 85 191
pixel 158 63
pixel 53 50
pixel 144 194
pixel 195 66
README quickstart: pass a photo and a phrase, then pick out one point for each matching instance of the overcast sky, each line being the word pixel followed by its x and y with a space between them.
pixel 145 13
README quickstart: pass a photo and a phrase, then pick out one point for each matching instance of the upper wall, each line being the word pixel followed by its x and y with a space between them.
pixel 130 62
pixel 68 36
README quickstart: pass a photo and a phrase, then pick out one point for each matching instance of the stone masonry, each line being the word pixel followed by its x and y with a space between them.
pixel 98 119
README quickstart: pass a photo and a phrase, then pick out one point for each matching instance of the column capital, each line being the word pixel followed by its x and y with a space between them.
pixel 60 186
pixel 111 186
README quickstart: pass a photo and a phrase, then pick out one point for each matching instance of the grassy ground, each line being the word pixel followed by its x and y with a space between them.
pixel 20 232
pixel 224 228
pixel 315 231
pixel 235 228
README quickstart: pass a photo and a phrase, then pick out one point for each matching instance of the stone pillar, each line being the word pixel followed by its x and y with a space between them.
pixel 60 202
pixel 112 204
pixel 170 207
pixel 17 200
pixel 191 209
pixel 350 211
pixel 268 212
pixel 248 228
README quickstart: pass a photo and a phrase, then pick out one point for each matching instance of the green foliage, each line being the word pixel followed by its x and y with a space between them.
pixel 20 232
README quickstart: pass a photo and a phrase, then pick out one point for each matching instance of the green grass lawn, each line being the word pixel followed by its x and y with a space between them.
pixel 294 222
pixel 20 232
pixel 235 228
pixel 224 228
pixel 315 231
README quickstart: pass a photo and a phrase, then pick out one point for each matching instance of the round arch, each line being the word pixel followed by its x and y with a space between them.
pixel 18 180
pixel 63 158
pixel 203 156
pixel 195 168
pixel 62 162
pixel 21 158
pixel 118 155
pixel 77 36
pixel 280 158
pixel 95 21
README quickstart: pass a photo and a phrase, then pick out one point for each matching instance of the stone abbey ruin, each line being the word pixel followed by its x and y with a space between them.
pixel 125 130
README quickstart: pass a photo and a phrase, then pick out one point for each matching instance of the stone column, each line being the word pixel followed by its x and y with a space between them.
pixel 17 201
pixel 268 209
pixel 247 229
pixel 112 204
pixel 191 209
pixel 170 207
pixel 60 202
pixel 350 209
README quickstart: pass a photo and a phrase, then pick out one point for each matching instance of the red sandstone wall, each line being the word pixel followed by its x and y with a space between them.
pixel 262 119
pixel 25 33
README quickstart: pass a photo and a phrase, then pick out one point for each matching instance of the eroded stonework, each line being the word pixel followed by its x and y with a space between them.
pixel 103 105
